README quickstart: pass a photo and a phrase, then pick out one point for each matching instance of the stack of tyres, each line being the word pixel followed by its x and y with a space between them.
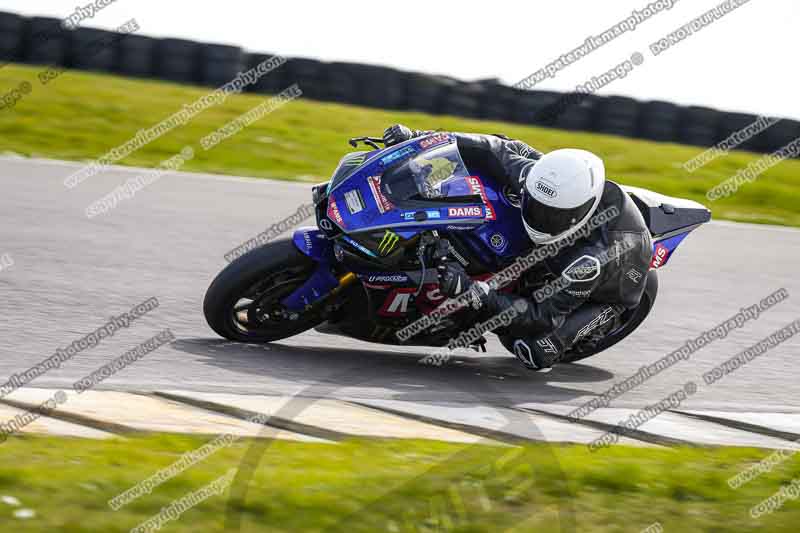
pixel 699 126
pixel 92 49
pixel 136 56
pixel 12 35
pixel 46 42
pixel 535 107
pixel 617 115
pixel 309 75
pixel 424 91
pixel 178 60
pixel 342 85
pixel 498 102
pixel 274 82
pixel 463 99
pixel 659 121
pixel 731 123
pixel 581 115
pixel 780 135
pixel 220 64
pixel 367 85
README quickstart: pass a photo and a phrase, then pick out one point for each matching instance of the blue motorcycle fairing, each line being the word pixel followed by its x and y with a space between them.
pixel 313 243
pixel 358 201
pixel 663 249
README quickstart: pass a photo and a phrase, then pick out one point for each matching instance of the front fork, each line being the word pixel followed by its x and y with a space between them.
pixel 323 283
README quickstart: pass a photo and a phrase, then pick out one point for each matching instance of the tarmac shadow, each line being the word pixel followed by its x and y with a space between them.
pixel 399 375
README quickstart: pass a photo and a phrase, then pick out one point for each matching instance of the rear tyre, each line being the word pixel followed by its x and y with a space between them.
pixel 631 321
pixel 243 302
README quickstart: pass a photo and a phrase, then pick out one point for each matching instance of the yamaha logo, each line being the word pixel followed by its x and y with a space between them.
pixel 546 189
pixel 497 241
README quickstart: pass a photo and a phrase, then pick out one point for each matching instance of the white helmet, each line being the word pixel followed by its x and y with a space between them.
pixel 560 194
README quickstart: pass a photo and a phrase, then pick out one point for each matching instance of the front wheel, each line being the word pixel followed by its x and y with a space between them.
pixel 243 302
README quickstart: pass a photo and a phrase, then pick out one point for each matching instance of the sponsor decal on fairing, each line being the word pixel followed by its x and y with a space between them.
pixel 388 278
pixel 388 243
pixel 381 201
pixel 439 138
pixel 334 214
pixel 398 155
pixel 465 212
pixel 355 203
pixel 660 256
pixel 477 188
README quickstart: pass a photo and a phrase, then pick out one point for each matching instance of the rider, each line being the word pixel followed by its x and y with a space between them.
pixel 601 274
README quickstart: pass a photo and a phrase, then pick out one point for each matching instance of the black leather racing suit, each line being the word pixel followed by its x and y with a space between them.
pixel 593 281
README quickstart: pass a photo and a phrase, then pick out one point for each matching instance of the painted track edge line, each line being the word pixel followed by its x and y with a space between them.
pixel 478 431
pixel 74 418
pixel 274 422
pixel 635 434
pixel 742 426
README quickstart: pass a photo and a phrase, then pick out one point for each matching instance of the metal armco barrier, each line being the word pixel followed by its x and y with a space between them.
pixel 43 41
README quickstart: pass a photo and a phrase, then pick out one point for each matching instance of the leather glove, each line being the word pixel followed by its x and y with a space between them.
pixel 454 281
pixel 397 134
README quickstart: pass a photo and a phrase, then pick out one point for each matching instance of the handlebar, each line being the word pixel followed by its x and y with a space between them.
pixel 371 141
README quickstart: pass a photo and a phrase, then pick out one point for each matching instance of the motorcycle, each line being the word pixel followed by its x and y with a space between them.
pixel 385 221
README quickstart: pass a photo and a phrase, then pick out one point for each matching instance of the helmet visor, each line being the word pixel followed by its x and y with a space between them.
pixel 552 221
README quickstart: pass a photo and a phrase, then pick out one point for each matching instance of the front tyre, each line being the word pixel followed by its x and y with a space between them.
pixel 243 302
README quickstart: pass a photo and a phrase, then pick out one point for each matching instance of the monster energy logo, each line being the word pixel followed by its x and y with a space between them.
pixel 388 243
pixel 355 161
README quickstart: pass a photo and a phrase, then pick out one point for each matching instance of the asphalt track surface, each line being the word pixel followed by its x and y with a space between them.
pixel 72 273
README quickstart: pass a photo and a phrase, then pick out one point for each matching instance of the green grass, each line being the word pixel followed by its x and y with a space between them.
pixel 360 486
pixel 80 116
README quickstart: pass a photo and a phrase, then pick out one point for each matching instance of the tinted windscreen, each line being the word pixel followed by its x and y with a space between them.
pixel 427 176
pixel 347 167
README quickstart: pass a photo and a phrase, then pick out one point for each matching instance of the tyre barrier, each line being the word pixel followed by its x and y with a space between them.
pixel 309 75
pixel 136 56
pixel 581 115
pixel 272 83
pixel 92 49
pixel 46 42
pixel 219 64
pixel 367 85
pixel 462 99
pixel 732 122
pixel 658 121
pixel 536 107
pixel 780 134
pixel 12 35
pixel 178 60
pixel 341 84
pixel 43 41
pixel 617 115
pixel 381 87
pixel 699 126
pixel 423 92
pixel 498 102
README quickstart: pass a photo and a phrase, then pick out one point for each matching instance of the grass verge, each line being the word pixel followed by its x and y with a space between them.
pixel 392 486
pixel 81 116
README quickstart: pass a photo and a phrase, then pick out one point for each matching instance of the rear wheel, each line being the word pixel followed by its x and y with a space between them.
pixel 631 321
pixel 243 302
